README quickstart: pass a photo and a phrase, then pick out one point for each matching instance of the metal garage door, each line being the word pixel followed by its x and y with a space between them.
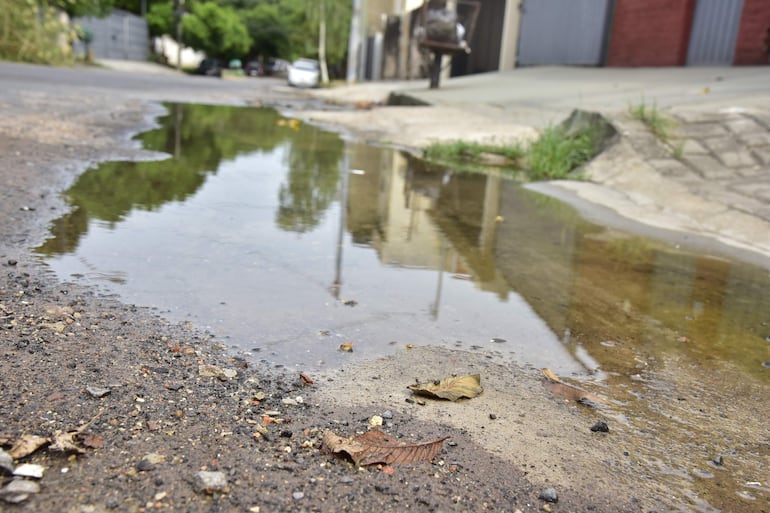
pixel 714 32
pixel 563 32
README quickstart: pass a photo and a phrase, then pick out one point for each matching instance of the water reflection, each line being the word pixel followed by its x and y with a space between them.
pixel 564 292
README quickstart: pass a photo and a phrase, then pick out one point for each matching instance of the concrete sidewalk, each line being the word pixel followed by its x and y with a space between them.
pixel 710 179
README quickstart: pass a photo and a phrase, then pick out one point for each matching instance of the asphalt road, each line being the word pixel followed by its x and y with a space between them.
pixel 26 78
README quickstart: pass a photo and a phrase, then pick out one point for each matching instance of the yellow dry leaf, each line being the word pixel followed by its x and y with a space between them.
pixel 453 388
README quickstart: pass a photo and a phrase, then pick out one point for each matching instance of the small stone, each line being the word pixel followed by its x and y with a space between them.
pixel 112 503
pixel 97 391
pixel 19 490
pixel 387 414
pixel 297 496
pixel 145 466
pixel 549 495
pixel 11 261
pixel 210 482
pixel 600 427
pixel 6 462
pixel 29 470
pixel 492 416
pixel 375 421
pixel 718 461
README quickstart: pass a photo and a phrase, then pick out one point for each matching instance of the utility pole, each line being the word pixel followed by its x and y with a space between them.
pixel 354 42
pixel 322 43
pixel 179 11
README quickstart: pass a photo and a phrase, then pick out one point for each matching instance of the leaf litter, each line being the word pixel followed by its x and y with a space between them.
pixel 569 391
pixel 452 388
pixel 377 447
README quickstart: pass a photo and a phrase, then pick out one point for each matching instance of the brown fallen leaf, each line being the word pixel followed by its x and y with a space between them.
pixel 453 388
pixel 550 375
pixel 305 378
pixel 568 391
pixel 92 441
pixel 65 442
pixel 377 447
pixel 26 445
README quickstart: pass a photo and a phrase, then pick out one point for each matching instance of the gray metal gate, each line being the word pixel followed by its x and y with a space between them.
pixel 714 32
pixel 563 32
pixel 121 35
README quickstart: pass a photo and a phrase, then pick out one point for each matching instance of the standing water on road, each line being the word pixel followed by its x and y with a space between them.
pixel 290 241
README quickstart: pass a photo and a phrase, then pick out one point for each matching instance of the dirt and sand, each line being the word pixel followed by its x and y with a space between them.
pixel 164 419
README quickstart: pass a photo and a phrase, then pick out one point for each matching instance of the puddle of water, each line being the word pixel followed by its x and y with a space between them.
pixel 291 241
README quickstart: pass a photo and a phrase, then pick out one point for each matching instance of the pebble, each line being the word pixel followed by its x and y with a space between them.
pixel 97 391
pixel 6 462
pixel 549 495
pixel 210 482
pixel 387 414
pixel 29 470
pixel 600 427
pixel 19 490
pixel 719 461
pixel 297 496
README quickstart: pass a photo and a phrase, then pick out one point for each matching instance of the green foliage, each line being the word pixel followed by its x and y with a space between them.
pixel 160 19
pixel 199 138
pixel 218 31
pixel 269 31
pixel 659 124
pixel 554 154
pixel 31 33
pixel 79 8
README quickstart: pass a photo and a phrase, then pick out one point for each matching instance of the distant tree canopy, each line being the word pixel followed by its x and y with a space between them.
pixel 218 31
pixel 227 29
pixel 272 28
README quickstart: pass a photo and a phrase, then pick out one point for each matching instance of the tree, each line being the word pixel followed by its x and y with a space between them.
pixel 160 19
pixel 216 30
pixel 79 8
pixel 306 19
pixel 269 31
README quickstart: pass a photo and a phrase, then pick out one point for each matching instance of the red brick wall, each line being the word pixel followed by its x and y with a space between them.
pixel 651 32
pixel 754 33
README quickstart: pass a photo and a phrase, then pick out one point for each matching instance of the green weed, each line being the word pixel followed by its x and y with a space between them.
pixel 469 151
pixel 659 124
pixel 554 154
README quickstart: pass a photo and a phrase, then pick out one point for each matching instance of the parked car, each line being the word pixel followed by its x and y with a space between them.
pixel 275 67
pixel 253 69
pixel 304 73
pixel 210 67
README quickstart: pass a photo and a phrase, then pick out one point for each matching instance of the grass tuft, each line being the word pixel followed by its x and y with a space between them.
pixel 554 154
pixel 659 124
pixel 469 151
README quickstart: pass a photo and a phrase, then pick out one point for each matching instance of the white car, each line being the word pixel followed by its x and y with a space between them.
pixel 304 73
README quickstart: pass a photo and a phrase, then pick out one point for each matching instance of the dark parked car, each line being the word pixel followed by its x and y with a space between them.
pixel 253 69
pixel 276 67
pixel 210 68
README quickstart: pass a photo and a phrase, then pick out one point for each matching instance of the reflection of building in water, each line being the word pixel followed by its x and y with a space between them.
pixel 588 283
pixel 425 218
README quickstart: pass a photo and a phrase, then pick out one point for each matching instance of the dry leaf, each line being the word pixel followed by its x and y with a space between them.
pixel 377 447
pixel 567 391
pixel 305 378
pixel 347 346
pixel 65 442
pixel 26 445
pixel 453 388
pixel 92 441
